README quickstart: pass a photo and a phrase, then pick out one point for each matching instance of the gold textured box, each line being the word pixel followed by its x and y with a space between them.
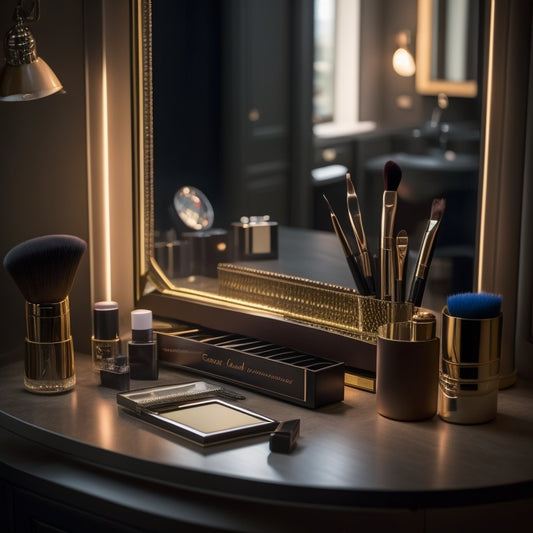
pixel 314 302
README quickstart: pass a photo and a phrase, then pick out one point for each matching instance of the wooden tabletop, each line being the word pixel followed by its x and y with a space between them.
pixel 347 454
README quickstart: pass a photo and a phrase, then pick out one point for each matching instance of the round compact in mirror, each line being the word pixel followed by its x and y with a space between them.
pixel 194 208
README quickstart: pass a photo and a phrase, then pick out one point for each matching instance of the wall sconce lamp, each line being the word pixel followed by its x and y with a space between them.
pixel 403 61
pixel 25 76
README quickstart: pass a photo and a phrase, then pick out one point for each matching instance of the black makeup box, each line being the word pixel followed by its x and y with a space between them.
pixel 281 372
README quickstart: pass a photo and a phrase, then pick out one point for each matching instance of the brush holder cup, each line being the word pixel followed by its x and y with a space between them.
pixel 406 373
pixel 49 359
pixel 469 369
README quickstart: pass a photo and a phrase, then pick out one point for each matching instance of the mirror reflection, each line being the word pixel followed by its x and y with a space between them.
pixel 264 106
pixel 448 47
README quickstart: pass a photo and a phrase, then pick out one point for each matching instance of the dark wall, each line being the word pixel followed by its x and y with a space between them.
pixel 381 86
pixel 186 70
pixel 43 164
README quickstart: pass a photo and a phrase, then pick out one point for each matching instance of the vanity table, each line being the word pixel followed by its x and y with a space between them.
pixel 77 462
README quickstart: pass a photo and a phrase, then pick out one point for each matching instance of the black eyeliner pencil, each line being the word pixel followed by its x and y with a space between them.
pixel 357 275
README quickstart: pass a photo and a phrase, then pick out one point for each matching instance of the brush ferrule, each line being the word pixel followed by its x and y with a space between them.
pixel 48 322
pixel 388 214
pixel 426 250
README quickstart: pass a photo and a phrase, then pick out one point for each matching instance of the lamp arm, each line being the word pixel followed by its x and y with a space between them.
pixel 32 15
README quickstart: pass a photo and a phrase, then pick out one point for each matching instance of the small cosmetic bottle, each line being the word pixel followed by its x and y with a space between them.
pixel 105 343
pixel 142 349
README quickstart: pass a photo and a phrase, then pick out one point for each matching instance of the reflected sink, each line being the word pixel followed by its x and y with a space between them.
pixel 434 174
pixel 461 137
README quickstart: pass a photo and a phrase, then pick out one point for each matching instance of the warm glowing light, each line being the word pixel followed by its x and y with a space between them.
pixel 403 63
pixel 483 206
pixel 105 186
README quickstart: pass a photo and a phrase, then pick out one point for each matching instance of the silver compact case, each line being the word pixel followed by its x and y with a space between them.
pixel 196 412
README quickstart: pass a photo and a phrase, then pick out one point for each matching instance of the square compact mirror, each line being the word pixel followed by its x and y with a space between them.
pixel 191 411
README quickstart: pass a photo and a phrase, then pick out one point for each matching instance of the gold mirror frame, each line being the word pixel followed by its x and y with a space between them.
pixel 423 81
pixel 153 290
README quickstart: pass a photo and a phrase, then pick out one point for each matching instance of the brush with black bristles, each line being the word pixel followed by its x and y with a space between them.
pixel 44 269
pixel 392 175
pixel 425 254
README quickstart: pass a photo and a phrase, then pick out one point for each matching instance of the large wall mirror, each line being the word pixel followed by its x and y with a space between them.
pixel 226 138
pixel 446 52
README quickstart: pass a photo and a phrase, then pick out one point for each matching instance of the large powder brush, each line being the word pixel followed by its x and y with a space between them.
pixel 44 269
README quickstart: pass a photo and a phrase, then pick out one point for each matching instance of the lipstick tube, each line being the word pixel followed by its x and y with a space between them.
pixel 105 342
pixel 142 349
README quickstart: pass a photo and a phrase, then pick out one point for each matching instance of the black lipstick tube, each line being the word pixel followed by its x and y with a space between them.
pixel 142 349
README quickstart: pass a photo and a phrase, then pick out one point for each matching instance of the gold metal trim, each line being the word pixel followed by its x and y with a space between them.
pixel 322 304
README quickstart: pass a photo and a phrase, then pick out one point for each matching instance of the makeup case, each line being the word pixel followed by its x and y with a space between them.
pixel 288 374
pixel 195 411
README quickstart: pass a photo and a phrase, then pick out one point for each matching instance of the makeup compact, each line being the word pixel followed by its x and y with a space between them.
pixel 196 412
pixel 254 237
pixel 205 246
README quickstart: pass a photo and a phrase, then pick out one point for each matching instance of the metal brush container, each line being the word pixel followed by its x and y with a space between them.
pixel 469 369
pixel 407 369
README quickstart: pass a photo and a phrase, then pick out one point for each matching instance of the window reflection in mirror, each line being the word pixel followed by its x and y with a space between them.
pixel 454 37
pixel 237 123
pixel 324 61
pixel 447 48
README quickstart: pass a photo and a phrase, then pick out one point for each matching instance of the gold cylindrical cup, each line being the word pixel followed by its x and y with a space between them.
pixel 406 373
pixel 470 340
pixel 469 368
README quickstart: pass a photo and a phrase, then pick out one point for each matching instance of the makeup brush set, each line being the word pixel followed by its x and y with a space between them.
pixel 390 285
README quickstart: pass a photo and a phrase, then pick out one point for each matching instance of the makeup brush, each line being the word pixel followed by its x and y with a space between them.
pixel 44 269
pixel 392 175
pixel 425 254
pixel 474 305
pixel 402 247
pixel 354 213
pixel 348 253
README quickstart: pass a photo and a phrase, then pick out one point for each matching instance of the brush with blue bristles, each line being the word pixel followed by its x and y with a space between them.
pixel 474 305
